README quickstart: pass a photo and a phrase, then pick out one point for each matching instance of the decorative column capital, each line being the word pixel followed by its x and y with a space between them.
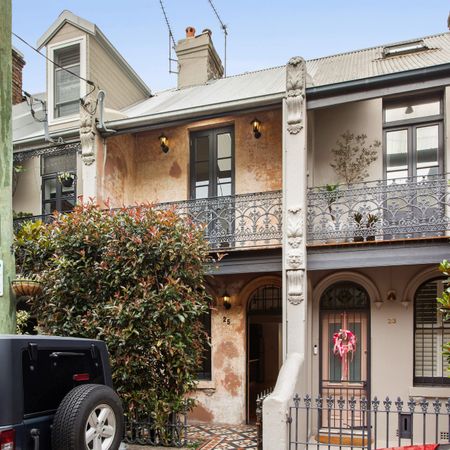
pixel 295 93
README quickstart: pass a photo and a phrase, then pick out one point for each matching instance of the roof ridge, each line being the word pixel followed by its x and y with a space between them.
pixel 250 72
pixel 378 46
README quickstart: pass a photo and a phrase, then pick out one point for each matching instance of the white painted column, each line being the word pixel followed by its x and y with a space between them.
pixel 294 211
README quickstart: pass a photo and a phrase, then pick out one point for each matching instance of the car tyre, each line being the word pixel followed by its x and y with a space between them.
pixel 90 417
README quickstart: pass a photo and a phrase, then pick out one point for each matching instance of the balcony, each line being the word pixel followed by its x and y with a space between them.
pixel 238 222
pixel 383 210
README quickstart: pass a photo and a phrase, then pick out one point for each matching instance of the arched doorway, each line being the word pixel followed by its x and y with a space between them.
pixel 264 343
pixel 344 344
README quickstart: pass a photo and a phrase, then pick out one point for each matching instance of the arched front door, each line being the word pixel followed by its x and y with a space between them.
pixel 344 332
pixel 264 341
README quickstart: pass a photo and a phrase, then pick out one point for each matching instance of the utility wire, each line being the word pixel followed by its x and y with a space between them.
pixel 91 83
pixel 167 23
pixel 225 32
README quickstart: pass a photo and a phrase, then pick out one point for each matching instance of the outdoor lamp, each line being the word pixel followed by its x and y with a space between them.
pixel 226 301
pixel 256 126
pixel 164 143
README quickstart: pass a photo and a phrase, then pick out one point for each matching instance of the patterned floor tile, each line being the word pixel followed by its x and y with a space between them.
pixel 224 437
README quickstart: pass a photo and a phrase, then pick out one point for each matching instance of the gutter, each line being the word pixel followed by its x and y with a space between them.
pixel 40 140
pixel 199 112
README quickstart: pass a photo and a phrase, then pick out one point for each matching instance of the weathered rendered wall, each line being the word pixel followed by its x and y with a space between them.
pixel 223 399
pixel 159 177
pixel 363 117
pixel 116 184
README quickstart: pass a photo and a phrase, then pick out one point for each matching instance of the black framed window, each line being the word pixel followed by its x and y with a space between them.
pixel 205 372
pixel 56 195
pixel 66 84
pixel 413 138
pixel 431 332
pixel 212 163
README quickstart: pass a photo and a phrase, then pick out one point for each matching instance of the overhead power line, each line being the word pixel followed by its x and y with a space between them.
pixel 91 83
pixel 225 34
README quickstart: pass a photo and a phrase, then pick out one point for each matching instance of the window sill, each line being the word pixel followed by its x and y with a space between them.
pixel 203 385
pixel 429 392
pixel 63 120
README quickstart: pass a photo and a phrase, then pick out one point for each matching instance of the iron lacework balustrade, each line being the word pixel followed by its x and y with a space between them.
pixel 232 222
pixel 402 208
pixel 360 423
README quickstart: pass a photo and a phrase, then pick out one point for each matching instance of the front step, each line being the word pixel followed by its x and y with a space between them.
pixel 345 438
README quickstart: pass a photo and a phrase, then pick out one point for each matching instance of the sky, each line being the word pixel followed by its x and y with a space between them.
pixel 261 33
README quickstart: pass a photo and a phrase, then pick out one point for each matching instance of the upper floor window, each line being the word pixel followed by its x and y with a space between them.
pixel 58 182
pixel 66 85
pixel 431 332
pixel 413 135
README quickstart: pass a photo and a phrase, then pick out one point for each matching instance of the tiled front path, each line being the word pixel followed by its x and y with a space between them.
pixel 223 437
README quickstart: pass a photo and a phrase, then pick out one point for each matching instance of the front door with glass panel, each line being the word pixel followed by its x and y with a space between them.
pixel 212 179
pixel 414 162
pixel 344 350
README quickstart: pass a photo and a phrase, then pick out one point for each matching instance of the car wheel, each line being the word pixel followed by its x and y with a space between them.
pixel 90 417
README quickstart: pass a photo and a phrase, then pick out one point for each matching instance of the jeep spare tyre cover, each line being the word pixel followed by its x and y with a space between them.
pixel 90 417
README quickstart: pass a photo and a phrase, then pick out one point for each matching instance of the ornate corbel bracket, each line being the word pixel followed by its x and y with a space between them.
pixel 295 94
pixel 295 289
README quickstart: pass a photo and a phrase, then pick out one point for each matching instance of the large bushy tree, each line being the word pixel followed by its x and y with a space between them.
pixel 133 278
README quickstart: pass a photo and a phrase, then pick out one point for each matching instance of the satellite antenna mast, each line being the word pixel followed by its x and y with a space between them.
pixel 225 34
pixel 171 39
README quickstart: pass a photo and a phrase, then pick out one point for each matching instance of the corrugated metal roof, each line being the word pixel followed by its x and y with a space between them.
pixel 339 68
pixel 24 126
pixel 356 65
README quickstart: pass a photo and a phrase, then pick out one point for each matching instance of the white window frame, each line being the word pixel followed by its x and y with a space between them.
pixel 51 77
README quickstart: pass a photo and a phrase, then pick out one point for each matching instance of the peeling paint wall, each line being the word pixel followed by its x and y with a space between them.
pixel 223 398
pixel 163 177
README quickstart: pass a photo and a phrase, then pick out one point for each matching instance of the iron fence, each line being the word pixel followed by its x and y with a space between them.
pixel 402 208
pixel 363 424
pixel 145 431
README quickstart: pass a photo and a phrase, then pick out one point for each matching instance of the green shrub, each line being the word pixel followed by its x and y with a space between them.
pixel 133 278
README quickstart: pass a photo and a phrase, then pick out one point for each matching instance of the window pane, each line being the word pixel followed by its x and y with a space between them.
pixel 50 207
pixel 431 332
pixel 202 148
pixel 224 189
pixel 201 191
pixel 50 189
pixel 397 150
pixel 202 172
pixel 427 142
pixel 412 111
pixel 67 86
pixel 224 145
pixel 59 163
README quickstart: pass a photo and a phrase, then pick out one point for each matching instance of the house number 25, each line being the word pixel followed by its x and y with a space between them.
pixel 226 320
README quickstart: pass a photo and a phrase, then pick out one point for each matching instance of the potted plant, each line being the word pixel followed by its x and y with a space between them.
pixel 372 219
pixel 358 237
pixel 66 178
pixel 26 287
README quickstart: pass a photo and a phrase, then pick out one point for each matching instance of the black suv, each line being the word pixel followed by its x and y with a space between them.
pixel 56 394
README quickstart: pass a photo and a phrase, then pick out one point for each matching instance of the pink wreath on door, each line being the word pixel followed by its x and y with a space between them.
pixel 344 342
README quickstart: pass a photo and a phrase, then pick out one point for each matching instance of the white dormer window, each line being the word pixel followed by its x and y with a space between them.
pixel 67 84
pixel 65 87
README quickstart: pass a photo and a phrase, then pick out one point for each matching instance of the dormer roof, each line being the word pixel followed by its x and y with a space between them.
pixel 90 28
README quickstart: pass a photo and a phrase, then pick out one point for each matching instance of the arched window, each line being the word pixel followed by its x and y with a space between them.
pixel 431 332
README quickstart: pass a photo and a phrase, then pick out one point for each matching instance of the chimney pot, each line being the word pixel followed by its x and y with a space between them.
pixel 190 32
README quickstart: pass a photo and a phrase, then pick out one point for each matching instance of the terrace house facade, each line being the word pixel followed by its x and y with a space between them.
pixel 248 156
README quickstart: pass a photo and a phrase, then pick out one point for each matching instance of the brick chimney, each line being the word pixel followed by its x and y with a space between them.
pixel 198 61
pixel 17 65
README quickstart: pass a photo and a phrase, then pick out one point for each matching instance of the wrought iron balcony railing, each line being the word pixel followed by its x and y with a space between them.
pixel 404 208
pixel 233 222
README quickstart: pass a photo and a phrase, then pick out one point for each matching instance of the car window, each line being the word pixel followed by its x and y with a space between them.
pixel 49 375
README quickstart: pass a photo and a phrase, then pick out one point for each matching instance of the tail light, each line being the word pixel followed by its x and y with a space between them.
pixel 7 439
